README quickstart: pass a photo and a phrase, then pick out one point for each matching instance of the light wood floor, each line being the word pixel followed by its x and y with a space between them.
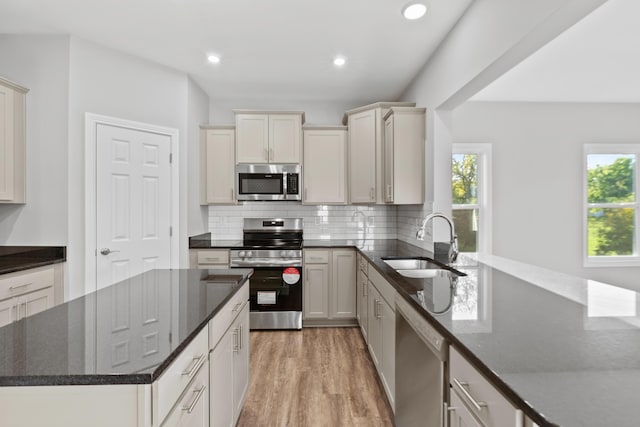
pixel 313 377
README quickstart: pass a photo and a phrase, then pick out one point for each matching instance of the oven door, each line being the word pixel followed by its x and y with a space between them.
pixel 276 289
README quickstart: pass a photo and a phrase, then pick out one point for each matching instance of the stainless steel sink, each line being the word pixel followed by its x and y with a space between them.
pixel 411 264
pixel 420 267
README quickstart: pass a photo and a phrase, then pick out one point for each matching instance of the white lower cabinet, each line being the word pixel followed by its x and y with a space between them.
pixel 229 367
pixel 330 284
pixel 362 304
pixel 28 292
pixel 459 414
pixel 381 322
pixel 474 401
pixel 192 410
pixel 209 258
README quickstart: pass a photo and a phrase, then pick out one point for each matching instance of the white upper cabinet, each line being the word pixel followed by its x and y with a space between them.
pixel 325 165
pixel 268 136
pixel 12 142
pixel 365 136
pixel 404 156
pixel 217 165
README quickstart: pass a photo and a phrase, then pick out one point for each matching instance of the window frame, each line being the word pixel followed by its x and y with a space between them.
pixel 483 152
pixel 610 260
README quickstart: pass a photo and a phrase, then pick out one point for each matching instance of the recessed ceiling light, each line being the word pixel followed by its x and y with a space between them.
pixel 339 61
pixel 214 59
pixel 414 11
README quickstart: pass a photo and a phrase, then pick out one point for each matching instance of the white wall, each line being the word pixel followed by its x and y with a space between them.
pixel 108 82
pixel 197 114
pixel 537 176
pixel 41 64
pixel 490 38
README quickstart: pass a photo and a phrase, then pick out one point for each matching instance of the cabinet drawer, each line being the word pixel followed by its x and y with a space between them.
pixel 192 408
pixel 387 291
pixel 179 374
pixel 316 257
pixel 479 396
pixel 227 314
pixel 213 257
pixel 21 282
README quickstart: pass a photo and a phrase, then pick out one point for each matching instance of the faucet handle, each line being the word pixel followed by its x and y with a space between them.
pixel 453 249
pixel 420 234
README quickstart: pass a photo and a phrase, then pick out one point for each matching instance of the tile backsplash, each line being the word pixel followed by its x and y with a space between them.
pixel 320 222
pixel 409 219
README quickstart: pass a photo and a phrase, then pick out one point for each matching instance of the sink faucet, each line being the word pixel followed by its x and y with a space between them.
pixel 453 243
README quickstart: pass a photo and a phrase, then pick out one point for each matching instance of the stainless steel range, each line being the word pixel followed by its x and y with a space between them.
pixel 273 248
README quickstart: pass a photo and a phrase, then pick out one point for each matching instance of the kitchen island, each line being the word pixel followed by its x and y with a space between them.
pixel 125 354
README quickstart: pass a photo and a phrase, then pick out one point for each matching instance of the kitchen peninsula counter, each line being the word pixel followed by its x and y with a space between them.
pixel 18 258
pixel 92 340
pixel 563 349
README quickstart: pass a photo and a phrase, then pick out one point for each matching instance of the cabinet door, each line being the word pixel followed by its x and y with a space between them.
pixel 362 157
pixel 37 301
pixel 459 415
pixel 325 167
pixel 363 305
pixel 388 160
pixel 375 329
pixel 316 291
pixel 6 143
pixel 285 138
pixel 221 381
pixel 388 350
pixel 7 311
pixel 343 285
pixel 219 154
pixel 241 362
pixel 192 410
pixel 252 138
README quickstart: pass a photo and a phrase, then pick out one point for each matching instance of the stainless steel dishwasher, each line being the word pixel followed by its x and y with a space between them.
pixel 421 354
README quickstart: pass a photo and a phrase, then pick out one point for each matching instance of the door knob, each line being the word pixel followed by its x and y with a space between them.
pixel 106 251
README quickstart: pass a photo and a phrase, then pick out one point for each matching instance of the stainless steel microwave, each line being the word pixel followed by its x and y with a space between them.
pixel 268 182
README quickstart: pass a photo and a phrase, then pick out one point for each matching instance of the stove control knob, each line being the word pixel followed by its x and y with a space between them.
pixel 241 254
pixel 249 254
pixel 283 254
pixel 291 254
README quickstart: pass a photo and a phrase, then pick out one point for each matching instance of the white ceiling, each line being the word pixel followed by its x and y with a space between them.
pixel 597 60
pixel 276 49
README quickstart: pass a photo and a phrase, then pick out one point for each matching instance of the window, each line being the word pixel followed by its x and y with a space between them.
pixel 470 184
pixel 611 205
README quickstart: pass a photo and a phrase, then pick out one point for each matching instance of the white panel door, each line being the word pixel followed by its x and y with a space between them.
pixel 325 167
pixel 133 203
pixel 285 138
pixel 362 157
pixel 252 138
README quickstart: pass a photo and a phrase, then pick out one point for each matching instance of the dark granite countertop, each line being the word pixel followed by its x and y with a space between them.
pixel 565 350
pixel 203 241
pixel 17 258
pixel 73 343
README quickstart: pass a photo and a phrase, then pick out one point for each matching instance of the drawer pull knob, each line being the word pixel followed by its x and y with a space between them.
pixel 462 387
pixel 198 394
pixel 236 307
pixel 194 365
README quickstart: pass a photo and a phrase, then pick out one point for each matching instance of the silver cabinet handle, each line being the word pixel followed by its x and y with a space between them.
pixel 236 307
pixel 194 366
pixel 232 195
pixel 107 251
pixel 445 413
pixel 372 193
pixel 236 346
pixel 476 404
pixel 13 288
pixel 199 392
pixel 240 339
